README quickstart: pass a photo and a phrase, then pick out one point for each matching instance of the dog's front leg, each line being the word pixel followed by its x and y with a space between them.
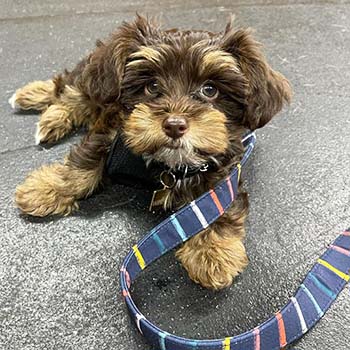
pixel 216 255
pixel 56 188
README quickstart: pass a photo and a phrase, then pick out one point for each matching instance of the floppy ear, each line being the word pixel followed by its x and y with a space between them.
pixel 268 90
pixel 104 68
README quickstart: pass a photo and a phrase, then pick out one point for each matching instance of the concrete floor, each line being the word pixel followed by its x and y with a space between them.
pixel 59 276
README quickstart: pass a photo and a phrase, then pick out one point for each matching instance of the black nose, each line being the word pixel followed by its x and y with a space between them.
pixel 175 127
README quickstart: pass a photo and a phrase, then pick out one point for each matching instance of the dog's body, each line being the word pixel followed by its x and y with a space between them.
pixel 181 98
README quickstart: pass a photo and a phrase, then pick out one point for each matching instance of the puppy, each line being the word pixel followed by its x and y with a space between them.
pixel 178 98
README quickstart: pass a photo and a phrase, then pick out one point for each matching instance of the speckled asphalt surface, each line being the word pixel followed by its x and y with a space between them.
pixel 59 276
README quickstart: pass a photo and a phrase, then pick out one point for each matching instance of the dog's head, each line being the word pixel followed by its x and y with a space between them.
pixel 187 95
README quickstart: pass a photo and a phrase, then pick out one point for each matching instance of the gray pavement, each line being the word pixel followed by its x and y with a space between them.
pixel 59 276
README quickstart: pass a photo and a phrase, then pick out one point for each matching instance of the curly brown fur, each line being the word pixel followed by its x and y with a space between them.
pixel 177 97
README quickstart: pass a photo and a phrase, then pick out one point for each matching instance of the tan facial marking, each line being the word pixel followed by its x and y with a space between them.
pixel 147 53
pixel 208 132
pixel 220 59
pixel 143 131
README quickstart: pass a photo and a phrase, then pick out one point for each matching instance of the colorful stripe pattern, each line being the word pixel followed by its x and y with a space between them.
pixel 256 334
pixel 281 330
pixel 314 297
pixel 226 344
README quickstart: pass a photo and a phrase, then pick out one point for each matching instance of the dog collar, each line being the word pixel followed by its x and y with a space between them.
pixel 183 171
pixel 313 298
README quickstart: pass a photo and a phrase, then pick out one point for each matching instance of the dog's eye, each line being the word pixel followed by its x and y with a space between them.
pixel 209 91
pixel 152 88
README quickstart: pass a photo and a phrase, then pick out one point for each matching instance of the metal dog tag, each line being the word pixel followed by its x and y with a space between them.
pixel 160 197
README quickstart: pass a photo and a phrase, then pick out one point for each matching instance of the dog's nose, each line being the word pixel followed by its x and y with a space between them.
pixel 175 127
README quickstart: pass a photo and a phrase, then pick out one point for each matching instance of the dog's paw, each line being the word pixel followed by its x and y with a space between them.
pixel 54 124
pixel 36 95
pixel 213 261
pixel 12 101
pixel 43 194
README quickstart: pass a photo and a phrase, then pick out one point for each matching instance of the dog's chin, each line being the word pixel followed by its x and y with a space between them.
pixel 175 144
pixel 174 154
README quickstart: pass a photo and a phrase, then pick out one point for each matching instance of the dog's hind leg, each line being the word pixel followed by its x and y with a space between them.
pixel 56 188
pixel 37 95
pixel 63 107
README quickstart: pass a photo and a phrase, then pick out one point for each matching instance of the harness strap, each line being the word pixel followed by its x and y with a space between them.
pixel 313 298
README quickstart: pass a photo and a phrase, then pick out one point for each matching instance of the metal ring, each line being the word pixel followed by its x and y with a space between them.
pixel 163 179
pixel 204 167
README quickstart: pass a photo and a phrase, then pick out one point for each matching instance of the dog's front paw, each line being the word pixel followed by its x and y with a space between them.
pixel 54 124
pixel 43 193
pixel 211 260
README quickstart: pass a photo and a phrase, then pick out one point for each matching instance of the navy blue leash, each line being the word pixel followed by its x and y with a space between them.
pixel 313 298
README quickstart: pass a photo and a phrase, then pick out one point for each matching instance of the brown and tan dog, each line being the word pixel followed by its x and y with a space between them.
pixel 179 98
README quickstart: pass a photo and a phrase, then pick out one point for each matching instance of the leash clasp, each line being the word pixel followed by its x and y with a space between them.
pixel 167 179
pixel 161 196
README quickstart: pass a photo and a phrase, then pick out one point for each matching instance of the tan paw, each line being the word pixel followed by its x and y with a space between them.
pixel 43 193
pixel 54 124
pixel 36 95
pixel 211 260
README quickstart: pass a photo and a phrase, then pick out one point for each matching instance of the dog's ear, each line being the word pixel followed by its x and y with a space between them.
pixel 104 68
pixel 268 90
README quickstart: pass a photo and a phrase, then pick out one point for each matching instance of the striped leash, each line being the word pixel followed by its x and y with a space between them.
pixel 313 298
